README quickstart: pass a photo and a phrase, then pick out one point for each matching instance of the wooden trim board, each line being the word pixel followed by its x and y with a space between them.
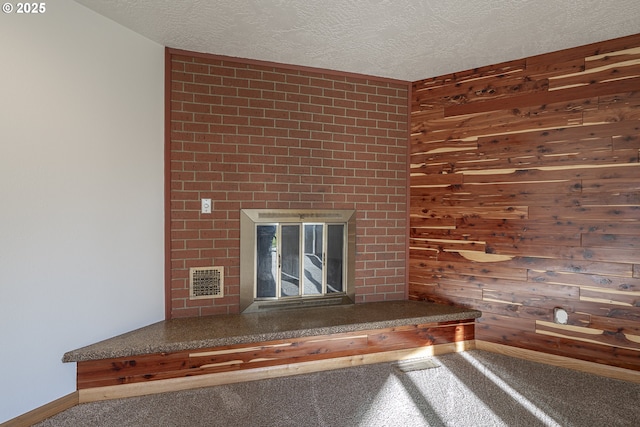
pixel 43 412
pixel 220 378
pixel 561 361
pixel 196 362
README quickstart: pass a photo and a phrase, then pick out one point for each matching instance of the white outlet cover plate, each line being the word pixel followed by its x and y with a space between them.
pixel 206 206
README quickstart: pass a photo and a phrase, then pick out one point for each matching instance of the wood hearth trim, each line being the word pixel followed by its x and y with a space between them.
pixel 231 377
pixel 194 362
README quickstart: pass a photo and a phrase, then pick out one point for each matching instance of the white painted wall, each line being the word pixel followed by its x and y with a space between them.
pixel 81 193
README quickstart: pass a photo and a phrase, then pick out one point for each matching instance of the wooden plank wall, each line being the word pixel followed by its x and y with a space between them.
pixel 187 363
pixel 525 196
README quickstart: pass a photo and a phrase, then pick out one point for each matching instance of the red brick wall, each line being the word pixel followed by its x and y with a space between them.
pixel 258 135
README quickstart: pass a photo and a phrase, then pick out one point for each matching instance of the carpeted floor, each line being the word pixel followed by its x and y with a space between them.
pixel 475 388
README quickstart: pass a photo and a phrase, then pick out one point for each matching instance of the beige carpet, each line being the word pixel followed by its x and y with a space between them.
pixel 475 388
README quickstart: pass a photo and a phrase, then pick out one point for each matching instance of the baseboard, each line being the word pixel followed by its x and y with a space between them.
pixel 43 412
pixel 561 361
pixel 208 380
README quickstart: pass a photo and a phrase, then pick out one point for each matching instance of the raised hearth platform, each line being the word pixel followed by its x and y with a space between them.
pixel 214 331
pixel 286 341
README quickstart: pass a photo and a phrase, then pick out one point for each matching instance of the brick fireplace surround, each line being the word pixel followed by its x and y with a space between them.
pixel 255 135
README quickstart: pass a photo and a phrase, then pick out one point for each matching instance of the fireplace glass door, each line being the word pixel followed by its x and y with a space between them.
pixel 293 258
pixel 299 260
pixel 289 260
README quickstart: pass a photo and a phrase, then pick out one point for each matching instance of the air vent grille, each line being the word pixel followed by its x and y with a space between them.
pixel 206 282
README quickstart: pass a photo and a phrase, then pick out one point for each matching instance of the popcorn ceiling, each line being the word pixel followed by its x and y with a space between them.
pixel 402 39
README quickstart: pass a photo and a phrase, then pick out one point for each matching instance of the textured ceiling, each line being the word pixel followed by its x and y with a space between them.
pixel 401 39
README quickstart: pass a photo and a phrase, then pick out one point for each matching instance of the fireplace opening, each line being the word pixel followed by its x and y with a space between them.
pixel 296 258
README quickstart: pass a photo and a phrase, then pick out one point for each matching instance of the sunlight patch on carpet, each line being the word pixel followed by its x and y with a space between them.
pixel 526 403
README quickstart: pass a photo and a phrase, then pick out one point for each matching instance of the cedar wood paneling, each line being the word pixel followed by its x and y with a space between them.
pixel 525 196
pixel 161 366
